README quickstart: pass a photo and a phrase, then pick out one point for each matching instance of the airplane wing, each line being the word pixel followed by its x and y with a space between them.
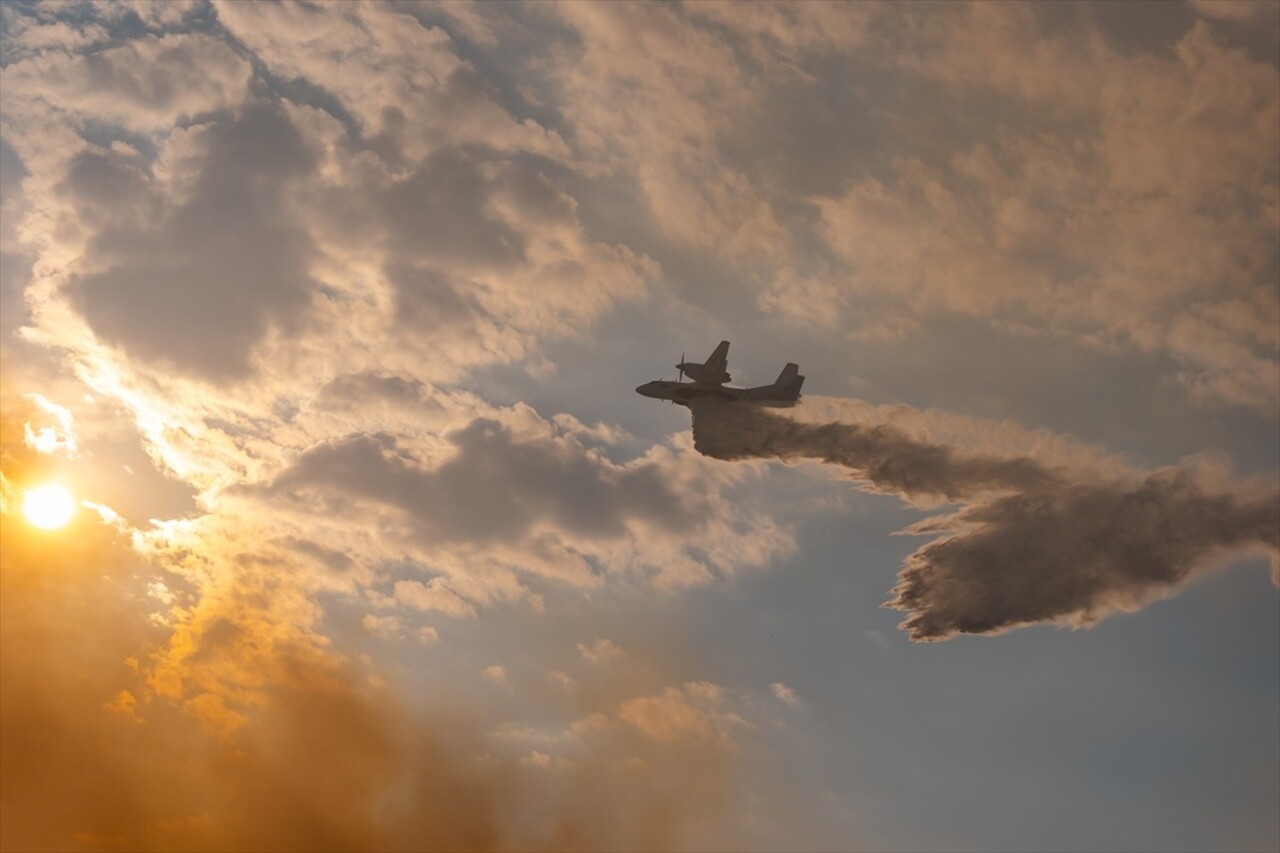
pixel 719 359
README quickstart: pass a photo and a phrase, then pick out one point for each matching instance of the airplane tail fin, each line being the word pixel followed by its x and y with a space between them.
pixel 719 356
pixel 789 382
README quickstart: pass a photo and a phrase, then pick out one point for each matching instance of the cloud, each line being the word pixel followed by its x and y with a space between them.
pixel 384 627
pixel 434 595
pixel 221 260
pixel 602 650
pixel 233 724
pixel 51 439
pixel 1124 201
pixel 201 284
pixel 548 480
pixel 402 81
pixel 785 694
pixel 561 679
pixel 503 502
pixel 243 235
pixel 1030 542
pixel 811 302
pixel 646 92
pixel 690 712
pixel 144 84
pixel 986 161
pixel 673 98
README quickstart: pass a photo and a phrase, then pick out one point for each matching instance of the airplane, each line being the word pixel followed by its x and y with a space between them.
pixel 783 393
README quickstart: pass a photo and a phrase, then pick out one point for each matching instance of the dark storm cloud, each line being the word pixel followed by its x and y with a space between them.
pixel 200 285
pixel 1030 543
pixel 494 488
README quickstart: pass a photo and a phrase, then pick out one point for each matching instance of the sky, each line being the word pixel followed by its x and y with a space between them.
pixel 327 318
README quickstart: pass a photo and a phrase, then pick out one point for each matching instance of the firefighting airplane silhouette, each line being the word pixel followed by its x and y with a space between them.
pixel 708 383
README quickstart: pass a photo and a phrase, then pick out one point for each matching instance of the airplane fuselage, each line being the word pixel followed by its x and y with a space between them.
pixel 684 393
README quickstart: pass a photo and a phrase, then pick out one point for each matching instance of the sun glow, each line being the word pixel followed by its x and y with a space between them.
pixel 49 506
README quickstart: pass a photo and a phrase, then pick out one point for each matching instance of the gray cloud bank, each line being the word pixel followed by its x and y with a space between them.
pixel 1029 542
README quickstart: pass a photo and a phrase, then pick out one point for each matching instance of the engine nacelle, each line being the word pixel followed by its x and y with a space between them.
pixel 701 373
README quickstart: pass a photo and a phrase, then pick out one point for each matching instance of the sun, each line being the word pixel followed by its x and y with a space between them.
pixel 49 506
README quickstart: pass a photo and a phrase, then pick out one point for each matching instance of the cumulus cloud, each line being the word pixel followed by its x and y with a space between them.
pixel 1035 176
pixel 670 96
pixel 198 286
pixel 1132 206
pixel 1030 542
pixel 503 503
pixel 144 84
pixel 402 81
pixel 549 481
pixel 236 238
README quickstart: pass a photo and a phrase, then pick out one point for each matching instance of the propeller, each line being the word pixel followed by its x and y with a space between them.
pixel 681 368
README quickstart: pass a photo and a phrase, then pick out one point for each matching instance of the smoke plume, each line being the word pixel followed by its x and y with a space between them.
pixel 232 724
pixel 1030 542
